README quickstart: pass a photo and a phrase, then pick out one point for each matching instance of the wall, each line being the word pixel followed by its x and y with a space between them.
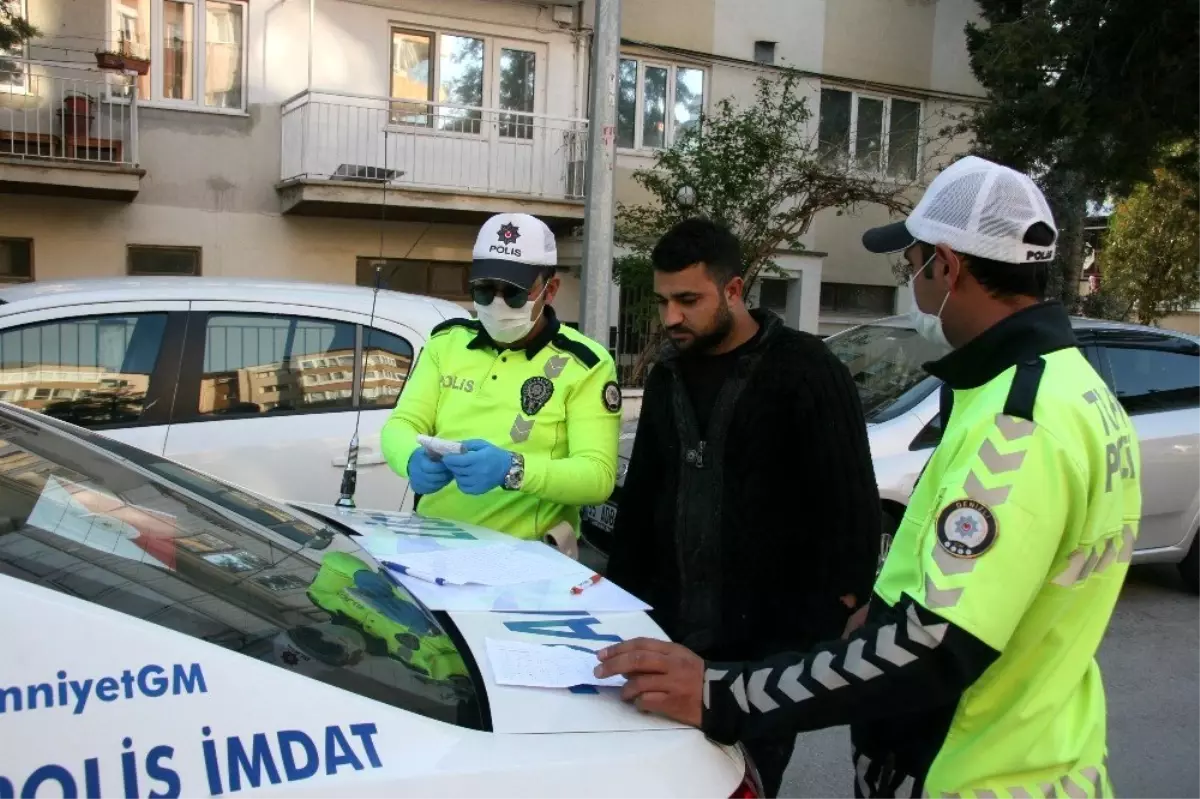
pixel 796 26
pixel 688 24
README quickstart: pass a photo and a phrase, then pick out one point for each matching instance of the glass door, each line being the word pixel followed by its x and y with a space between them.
pixel 519 138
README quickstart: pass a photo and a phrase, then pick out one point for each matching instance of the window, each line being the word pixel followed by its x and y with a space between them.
pixel 240 349
pixel 448 79
pixel 16 260
pixel 886 365
pixel 854 298
pixel 174 548
pixel 149 260
pixel 14 77
pixel 444 279
pixel 877 135
pixel 1147 380
pixel 764 52
pixel 382 388
pixel 105 362
pixel 656 103
pixel 197 51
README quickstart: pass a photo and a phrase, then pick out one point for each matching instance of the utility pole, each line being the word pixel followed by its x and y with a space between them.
pixel 599 205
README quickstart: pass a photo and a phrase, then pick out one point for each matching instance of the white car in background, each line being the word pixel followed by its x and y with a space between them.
pixel 1154 373
pixel 169 634
pixel 253 381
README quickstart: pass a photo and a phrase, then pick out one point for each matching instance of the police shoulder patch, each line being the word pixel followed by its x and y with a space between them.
pixel 966 528
pixel 535 393
pixel 612 397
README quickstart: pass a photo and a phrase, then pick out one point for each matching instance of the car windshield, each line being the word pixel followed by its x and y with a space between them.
pixel 95 519
pixel 885 362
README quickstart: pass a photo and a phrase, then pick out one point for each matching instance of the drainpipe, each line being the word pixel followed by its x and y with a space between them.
pixel 312 15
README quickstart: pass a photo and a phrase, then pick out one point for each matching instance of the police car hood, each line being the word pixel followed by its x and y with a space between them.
pixel 517 709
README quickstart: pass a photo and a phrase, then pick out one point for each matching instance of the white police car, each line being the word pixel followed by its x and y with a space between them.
pixel 166 634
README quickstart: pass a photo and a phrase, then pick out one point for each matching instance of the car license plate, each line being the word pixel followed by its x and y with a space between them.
pixel 603 516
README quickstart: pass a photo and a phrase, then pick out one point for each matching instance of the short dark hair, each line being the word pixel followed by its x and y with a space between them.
pixel 699 240
pixel 1002 280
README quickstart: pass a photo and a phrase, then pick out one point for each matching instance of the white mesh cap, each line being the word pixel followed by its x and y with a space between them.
pixel 513 248
pixel 977 208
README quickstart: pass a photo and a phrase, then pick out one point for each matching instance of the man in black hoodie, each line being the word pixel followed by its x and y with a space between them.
pixel 749 517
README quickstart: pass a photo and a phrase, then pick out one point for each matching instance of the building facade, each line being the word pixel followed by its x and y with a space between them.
pixel 251 148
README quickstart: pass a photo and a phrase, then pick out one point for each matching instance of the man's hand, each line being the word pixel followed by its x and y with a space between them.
pixel 481 468
pixel 426 475
pixel 662 678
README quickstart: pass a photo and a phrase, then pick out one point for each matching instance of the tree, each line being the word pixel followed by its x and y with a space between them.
pixel 755 168
pixel 1084 95
pixel 1152 248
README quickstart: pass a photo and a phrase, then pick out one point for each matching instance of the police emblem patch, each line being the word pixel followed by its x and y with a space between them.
pixel 535 393
pixel 612 397
pixel 966 528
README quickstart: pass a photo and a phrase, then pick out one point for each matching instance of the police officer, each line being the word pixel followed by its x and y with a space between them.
pixel 536 403
pixel 975 672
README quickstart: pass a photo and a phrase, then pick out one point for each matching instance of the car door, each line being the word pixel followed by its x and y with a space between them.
pixel 110 367
pixel 269 398
pixel 1156 377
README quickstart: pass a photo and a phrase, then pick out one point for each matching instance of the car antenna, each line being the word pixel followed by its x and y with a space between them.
pixel 350 473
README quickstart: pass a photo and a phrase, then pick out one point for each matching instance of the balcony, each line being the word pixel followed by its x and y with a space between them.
pixel 59 137
pixel 358 156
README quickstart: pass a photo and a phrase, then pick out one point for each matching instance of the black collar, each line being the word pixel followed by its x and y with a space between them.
pixel 531 347
pixel 1027 334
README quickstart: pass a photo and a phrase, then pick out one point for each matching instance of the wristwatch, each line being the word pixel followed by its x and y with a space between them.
pixel 516 473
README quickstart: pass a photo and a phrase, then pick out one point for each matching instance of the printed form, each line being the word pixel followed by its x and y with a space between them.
pixel 544 665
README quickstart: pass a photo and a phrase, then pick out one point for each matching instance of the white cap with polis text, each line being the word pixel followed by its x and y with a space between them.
pixel 974 207
pixel 513 248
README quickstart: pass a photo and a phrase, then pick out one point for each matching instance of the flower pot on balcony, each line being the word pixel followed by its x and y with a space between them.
pixel 122 62
pixel 76 115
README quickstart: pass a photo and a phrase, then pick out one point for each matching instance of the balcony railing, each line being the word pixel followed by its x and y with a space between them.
pixel 47 115
pixel 428 145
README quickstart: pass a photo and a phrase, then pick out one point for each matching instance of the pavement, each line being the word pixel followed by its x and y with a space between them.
pixel 1150 660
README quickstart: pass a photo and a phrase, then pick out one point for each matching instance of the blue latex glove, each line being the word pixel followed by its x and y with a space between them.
pixel 426 475
pixel 481 468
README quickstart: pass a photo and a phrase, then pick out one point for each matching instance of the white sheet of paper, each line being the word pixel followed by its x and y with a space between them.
pixel 544 666
pixel 492 564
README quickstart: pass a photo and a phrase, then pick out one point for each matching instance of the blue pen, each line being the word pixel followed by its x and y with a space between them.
pixel 405 570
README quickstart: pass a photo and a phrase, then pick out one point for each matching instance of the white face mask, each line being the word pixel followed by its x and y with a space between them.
pixel 506 325
pixel 927 325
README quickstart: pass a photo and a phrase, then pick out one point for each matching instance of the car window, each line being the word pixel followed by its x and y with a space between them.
pixel 886 364
pixel 90 371
pixel 1147 380
pixel 258 363
pixel 206 560
pixel 386 366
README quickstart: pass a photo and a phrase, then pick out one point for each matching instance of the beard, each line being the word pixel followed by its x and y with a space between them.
pixel 703 342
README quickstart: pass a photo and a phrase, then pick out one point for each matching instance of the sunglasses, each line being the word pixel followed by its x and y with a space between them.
pixel 514 296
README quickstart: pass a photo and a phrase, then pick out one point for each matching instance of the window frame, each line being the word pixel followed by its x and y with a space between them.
pixel 129 248
pixel 836 288
pixel 885 131
pixel 639 103
pixel 492 45
pixel 160 391
pixel 186 408
pixel 6 281
pixel 155 53
pixel 369 261
pixel 21 53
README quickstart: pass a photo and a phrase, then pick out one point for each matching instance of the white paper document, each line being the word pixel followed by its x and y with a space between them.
pixel 490 564
pixel 544 665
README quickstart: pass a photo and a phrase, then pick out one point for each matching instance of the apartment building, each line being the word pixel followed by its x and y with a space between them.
pixel 251 148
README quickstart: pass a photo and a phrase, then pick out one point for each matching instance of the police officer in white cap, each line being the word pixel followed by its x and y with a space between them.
pixel 535 402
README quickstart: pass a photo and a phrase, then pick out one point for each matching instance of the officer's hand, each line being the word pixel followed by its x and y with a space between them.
pixel 481 468
pixel 662 678
pixel 426 475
